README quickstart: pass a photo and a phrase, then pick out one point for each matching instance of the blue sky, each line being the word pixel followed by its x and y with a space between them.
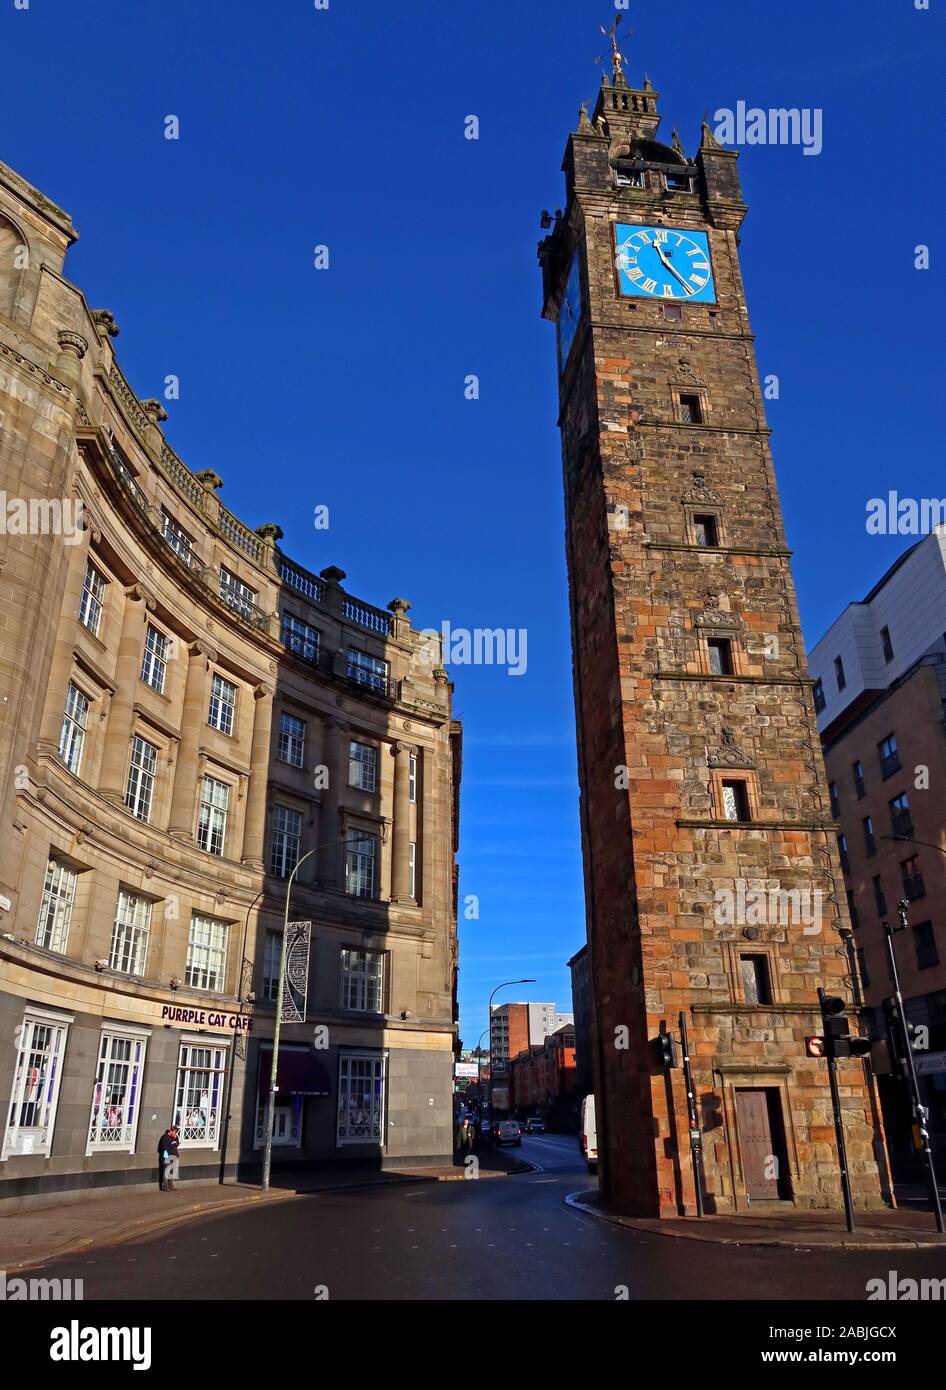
pixel 345 387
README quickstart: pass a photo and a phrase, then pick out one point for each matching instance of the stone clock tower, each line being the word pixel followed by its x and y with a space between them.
pixel 713 884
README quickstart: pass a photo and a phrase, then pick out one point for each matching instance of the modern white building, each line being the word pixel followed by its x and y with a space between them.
pixel 875 642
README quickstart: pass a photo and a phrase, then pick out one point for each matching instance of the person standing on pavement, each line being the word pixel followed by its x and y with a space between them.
pixel 168 1158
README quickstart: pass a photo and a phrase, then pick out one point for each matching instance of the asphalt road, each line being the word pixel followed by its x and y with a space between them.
pixel 497 1238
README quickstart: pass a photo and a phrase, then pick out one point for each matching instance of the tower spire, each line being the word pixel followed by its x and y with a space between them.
pixel 617 57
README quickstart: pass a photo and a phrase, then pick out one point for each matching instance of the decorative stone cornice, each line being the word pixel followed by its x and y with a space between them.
pixel 717 617
pixel 52 382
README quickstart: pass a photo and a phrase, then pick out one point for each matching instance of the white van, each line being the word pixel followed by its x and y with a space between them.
pixel 589 1134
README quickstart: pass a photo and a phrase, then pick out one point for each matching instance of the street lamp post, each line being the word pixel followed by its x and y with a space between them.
pixel 919 1110
pixel 271 1099
pixel 489 1014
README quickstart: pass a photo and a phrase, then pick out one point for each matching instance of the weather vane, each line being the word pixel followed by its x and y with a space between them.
pixel 617 58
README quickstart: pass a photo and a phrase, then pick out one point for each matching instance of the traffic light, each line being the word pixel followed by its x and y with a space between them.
pixel 900 1033
pixel 837 1040
pixel 668 1054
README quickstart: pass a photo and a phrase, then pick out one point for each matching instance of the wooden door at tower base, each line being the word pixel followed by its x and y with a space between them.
pixel 761 1143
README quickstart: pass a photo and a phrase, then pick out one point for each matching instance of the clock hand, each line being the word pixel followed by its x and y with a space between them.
pixel 673 270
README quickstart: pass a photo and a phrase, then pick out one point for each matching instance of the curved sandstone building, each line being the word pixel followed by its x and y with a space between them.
pixel 186 713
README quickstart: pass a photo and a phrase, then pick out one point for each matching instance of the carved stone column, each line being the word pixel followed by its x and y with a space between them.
pixel 193 718
pixel 334 756
pixel 61 668
pixel 254 824
pixel 121 712
pixel 401 846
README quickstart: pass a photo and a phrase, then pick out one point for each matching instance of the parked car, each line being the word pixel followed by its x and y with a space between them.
pixel 507 1132
pixel 535 1125
pixel 588 1134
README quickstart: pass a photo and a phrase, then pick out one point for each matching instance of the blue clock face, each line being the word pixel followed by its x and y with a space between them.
pixel 664 263
pixel 569 314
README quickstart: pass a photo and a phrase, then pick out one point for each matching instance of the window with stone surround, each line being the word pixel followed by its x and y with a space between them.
pixel 214 810
pixel 735 799
pixel 74 724
pixel 361 850
pixel 720 656
pixel 199 1091
pixel 754 973
pixel 704 529
pixel 272 952
pixel 363 766
pixel 291 748
pixel 141 775
pixel 690 408
pixel 55 913
pixel 300 638
pixel 361 1096
pixel 131 934
pixel 206 953
pixel 223 695
pixel 286 841
pixel 37 1072
pixel 93 599
pixel 116 1091
pixel 155 660
pixel 362 980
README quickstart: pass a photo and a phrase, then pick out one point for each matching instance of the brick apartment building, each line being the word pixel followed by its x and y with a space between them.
pixel 188 713
pixel 542 1079
pixel 699 759
pixel 513 1028
pixel 880 687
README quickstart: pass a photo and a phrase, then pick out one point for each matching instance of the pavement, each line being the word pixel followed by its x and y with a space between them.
pixel 875 1230
pixel 38 1234
pixel 431 1241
